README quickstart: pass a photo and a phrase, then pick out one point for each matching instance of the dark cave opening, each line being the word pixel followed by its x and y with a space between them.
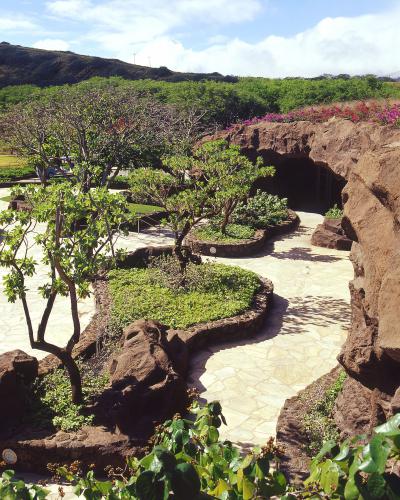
pixel 308 186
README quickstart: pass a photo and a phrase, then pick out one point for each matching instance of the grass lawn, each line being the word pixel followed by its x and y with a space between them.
pixel 6 198
pixel 10 161
pixel 137 208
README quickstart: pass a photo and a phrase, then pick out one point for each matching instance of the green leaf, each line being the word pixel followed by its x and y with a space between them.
pixel 350 490
pixel 147 487
pixel 185 481
pixel 249 489
pixel 376 485
pixel 390 428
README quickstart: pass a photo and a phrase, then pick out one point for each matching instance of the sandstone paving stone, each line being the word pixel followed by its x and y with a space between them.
pixel 299 343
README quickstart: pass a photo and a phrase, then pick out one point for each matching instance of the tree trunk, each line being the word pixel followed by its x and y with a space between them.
pixel 74 375
pixel 225 221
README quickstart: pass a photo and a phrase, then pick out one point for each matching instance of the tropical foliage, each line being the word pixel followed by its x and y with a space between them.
pixel 188 461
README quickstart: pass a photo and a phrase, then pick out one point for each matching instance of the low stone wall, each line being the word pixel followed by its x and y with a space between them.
pixel 243 248
pixel 244 325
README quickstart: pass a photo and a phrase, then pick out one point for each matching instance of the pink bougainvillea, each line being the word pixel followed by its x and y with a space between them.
pixel 378 112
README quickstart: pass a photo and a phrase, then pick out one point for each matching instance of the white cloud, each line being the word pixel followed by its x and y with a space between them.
pixel 356 45
pixel 124 26
pixel 16 24
pixel 51 44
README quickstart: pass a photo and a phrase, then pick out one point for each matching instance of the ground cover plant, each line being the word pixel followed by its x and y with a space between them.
pixel 50 400
pixel 233 233
pixel 257 212
pixel 318 423
pixel 381 112
pixel 188 461
pixel 334 213
pixel 210 292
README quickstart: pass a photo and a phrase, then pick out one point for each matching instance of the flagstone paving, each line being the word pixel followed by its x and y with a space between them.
pixel 302 336
pixel 251 378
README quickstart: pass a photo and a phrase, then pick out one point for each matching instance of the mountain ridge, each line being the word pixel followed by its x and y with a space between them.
pixel 26 65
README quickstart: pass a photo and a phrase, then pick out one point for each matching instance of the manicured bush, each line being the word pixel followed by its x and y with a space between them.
pixel 15 173
pixel 334 213
pixel 209 292
pixel 261 210
pixel 234 233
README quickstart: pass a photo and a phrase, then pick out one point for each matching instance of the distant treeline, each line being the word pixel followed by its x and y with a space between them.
pixel 224 103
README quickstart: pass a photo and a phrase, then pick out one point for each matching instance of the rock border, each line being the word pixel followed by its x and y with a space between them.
pixel 36 449
pixel 243 248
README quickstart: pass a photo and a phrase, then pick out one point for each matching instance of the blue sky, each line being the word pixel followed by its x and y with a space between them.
pixel 245 37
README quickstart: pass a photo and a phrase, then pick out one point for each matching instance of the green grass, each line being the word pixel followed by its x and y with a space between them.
pixel 10 161
pixel 6 198
pixel 234 233
pixel 225 291
pixel 137 208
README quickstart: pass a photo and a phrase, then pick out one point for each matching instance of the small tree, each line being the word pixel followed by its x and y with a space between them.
pixel 198 187
pixel 79 230
pixel 229 174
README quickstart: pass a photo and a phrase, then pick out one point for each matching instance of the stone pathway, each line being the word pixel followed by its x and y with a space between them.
pixel 301 339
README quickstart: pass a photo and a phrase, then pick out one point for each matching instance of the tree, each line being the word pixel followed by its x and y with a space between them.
pixel 80 229
pixel 99 131
pixel 229 174
pixel 197 187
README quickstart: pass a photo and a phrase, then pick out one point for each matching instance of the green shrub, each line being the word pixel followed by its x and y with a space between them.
pixel 334 213
pixel 261 210
pixel 318 423
pixel 212 291
pixel 234 232
pixel 189 462
pixel 15 173
pixel 51 400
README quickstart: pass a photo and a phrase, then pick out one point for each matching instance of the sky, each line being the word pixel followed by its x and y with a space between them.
pixel 271 38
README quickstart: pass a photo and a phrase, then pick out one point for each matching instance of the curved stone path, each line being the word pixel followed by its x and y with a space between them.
pixel 303 334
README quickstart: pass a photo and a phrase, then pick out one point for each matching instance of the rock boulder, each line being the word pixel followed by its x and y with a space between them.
pixel 17 369
pixel 146 386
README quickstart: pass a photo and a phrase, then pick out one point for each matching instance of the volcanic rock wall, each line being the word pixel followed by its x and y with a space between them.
pixel 367 156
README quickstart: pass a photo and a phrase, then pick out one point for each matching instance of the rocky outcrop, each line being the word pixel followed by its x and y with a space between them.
pixel 330 234
pixel 17 369
pixel 146 387
pixel 367 156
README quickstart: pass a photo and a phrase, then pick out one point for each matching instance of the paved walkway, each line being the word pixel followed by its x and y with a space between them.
pixel 302 337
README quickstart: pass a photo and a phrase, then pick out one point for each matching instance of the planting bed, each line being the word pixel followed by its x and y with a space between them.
pixel 242 248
